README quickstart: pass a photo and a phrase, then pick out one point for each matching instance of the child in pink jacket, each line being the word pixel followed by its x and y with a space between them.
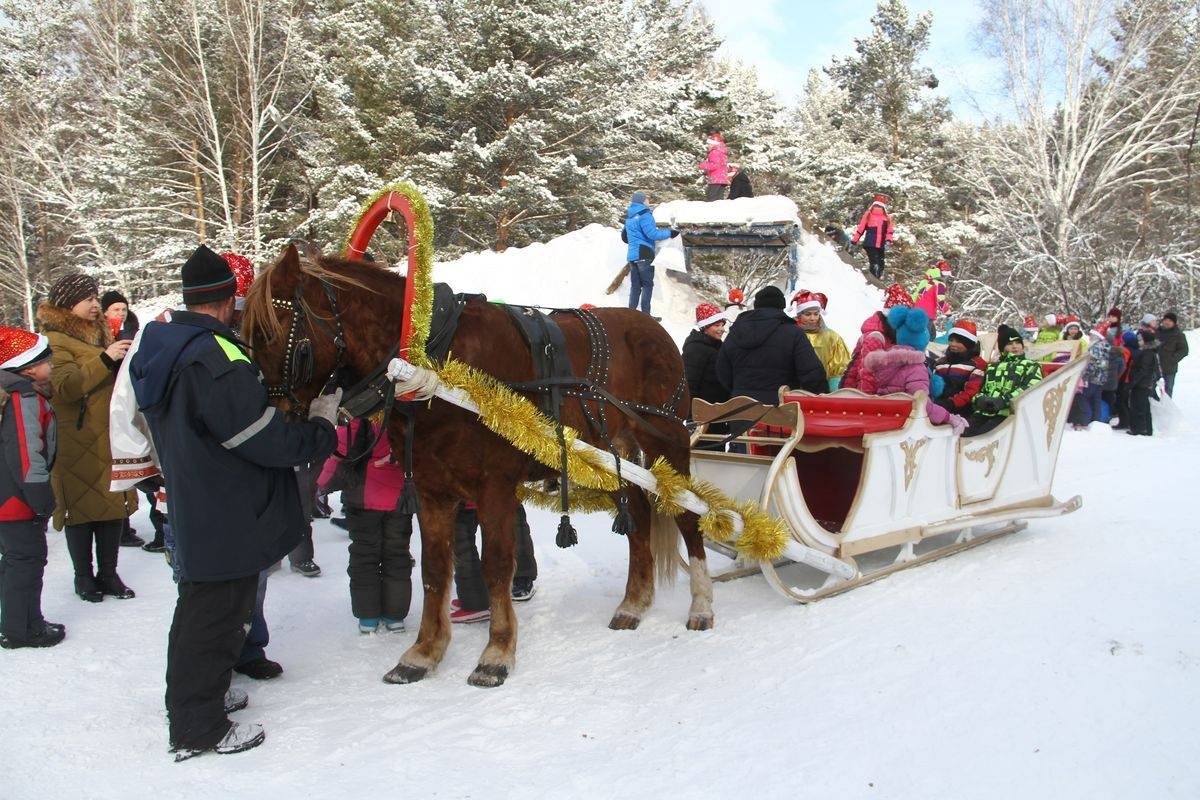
pixel 380 562
pixel 902 367
pixel 716 167
pixel 875 229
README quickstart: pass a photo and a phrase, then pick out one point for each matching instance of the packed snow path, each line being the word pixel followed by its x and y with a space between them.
pixel 1059 662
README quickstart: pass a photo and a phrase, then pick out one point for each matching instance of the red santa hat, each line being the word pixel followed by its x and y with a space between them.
pixel 737 296
pixel 243 273
pixel 20 348
pixel 965 329
pixel 708 314
pixel 896 295
pixel 804 300
pixel 881 199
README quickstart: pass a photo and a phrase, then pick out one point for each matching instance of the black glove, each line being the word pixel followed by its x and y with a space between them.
pixel 150 485
pixel 990 405
pixel 674 234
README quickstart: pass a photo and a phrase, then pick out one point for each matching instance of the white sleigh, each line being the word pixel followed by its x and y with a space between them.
pixel 868 486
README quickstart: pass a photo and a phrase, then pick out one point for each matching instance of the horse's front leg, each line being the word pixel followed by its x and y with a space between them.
pixel 437 563
pixel 700 617
pixel 497 517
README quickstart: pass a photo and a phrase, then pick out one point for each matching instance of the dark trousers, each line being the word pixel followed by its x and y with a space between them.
pixel 468 570
pixel 1123 410
pixel 22 562
pixel 107 535
pixel 641 283
pixel 1169 383
pixel 979 424
pixel 257 636
pixel 157 518
pixel 206 636
pixel 716 191
pixel 1085 408
pixel 306 479
pixel 1140 419
pixel 381 565
pixel 875 260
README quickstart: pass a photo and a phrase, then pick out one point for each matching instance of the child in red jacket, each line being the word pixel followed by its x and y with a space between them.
pixel 28 439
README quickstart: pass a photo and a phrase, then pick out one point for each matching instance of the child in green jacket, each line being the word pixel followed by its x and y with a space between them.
pixel 1004 380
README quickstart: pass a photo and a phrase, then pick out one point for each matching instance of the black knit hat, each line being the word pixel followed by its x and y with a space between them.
pixel 1171 316
pixel 1005 334
pixel 70 289
pixel 769 297
pixel 207 278
pixel 110 297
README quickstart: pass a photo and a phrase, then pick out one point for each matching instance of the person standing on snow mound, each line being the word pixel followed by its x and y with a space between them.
pixel 227 457
pixel 875 230
pixel 716 167
pixel 641 233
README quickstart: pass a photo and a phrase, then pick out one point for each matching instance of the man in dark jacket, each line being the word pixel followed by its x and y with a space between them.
pixel 1143 377
pixel 766 350
pixel 1172 348
pixel 227 458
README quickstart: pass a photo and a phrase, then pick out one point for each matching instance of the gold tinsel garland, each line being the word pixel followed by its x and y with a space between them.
pixel 583 501
pixel 519 422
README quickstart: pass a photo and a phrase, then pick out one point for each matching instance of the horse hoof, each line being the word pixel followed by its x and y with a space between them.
pixel 624 622
pixel 700 622
pixel 488 676
pixel 405 673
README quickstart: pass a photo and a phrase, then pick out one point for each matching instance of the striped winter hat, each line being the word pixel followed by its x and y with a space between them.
pixel 70 289
pixel 207 278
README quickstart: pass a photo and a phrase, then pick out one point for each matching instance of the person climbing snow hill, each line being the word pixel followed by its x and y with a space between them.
pixel 875 231
pixel 641 234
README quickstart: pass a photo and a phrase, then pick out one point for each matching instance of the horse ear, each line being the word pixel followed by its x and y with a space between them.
pixel 290 260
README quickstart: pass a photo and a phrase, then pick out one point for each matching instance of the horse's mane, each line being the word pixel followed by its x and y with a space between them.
pixel 260 315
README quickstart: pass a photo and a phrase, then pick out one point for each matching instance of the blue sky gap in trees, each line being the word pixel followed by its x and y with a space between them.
pixel 783 39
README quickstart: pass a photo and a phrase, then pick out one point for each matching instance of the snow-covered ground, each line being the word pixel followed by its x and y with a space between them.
pixel 1063 661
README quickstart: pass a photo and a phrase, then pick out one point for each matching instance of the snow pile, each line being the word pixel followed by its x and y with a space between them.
pixel 577 267
pixel 851 298
pixel 766 209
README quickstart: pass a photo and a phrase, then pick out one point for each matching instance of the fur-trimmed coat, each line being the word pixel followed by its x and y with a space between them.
pixel 83 384
pixel 902 369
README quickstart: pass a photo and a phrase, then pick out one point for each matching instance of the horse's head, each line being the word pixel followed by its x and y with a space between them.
pixel 294 322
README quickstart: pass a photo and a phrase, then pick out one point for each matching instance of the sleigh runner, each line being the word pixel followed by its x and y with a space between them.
pixel 872 486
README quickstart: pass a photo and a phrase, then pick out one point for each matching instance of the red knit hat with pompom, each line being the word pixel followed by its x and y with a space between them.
pixel 243 273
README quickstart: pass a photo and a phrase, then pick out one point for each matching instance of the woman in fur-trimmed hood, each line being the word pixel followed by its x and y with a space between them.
pixel 85 363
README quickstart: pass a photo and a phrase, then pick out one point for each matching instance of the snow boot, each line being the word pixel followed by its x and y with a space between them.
pixel 129 537
pixel 239 737
pixel 113 586
pixel 260 669
pixel 236 700
pixel 50 635
pixel 392 625
pixel 86 588
pixel 368 624
pixel 522 589
pixel 308 569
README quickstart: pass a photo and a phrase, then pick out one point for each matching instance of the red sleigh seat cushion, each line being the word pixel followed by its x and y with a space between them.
pixel 848 417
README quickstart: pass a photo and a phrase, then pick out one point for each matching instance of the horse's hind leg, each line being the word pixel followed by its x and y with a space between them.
pixel 497 517
pixel 437 561
pixel 639 586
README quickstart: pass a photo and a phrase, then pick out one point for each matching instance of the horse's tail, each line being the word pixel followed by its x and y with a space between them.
pixel 664 545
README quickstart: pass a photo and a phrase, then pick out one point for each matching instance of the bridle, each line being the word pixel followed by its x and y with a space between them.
pixel 297 367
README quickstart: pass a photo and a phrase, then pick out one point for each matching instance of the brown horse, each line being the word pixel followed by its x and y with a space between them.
pixel 456 458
